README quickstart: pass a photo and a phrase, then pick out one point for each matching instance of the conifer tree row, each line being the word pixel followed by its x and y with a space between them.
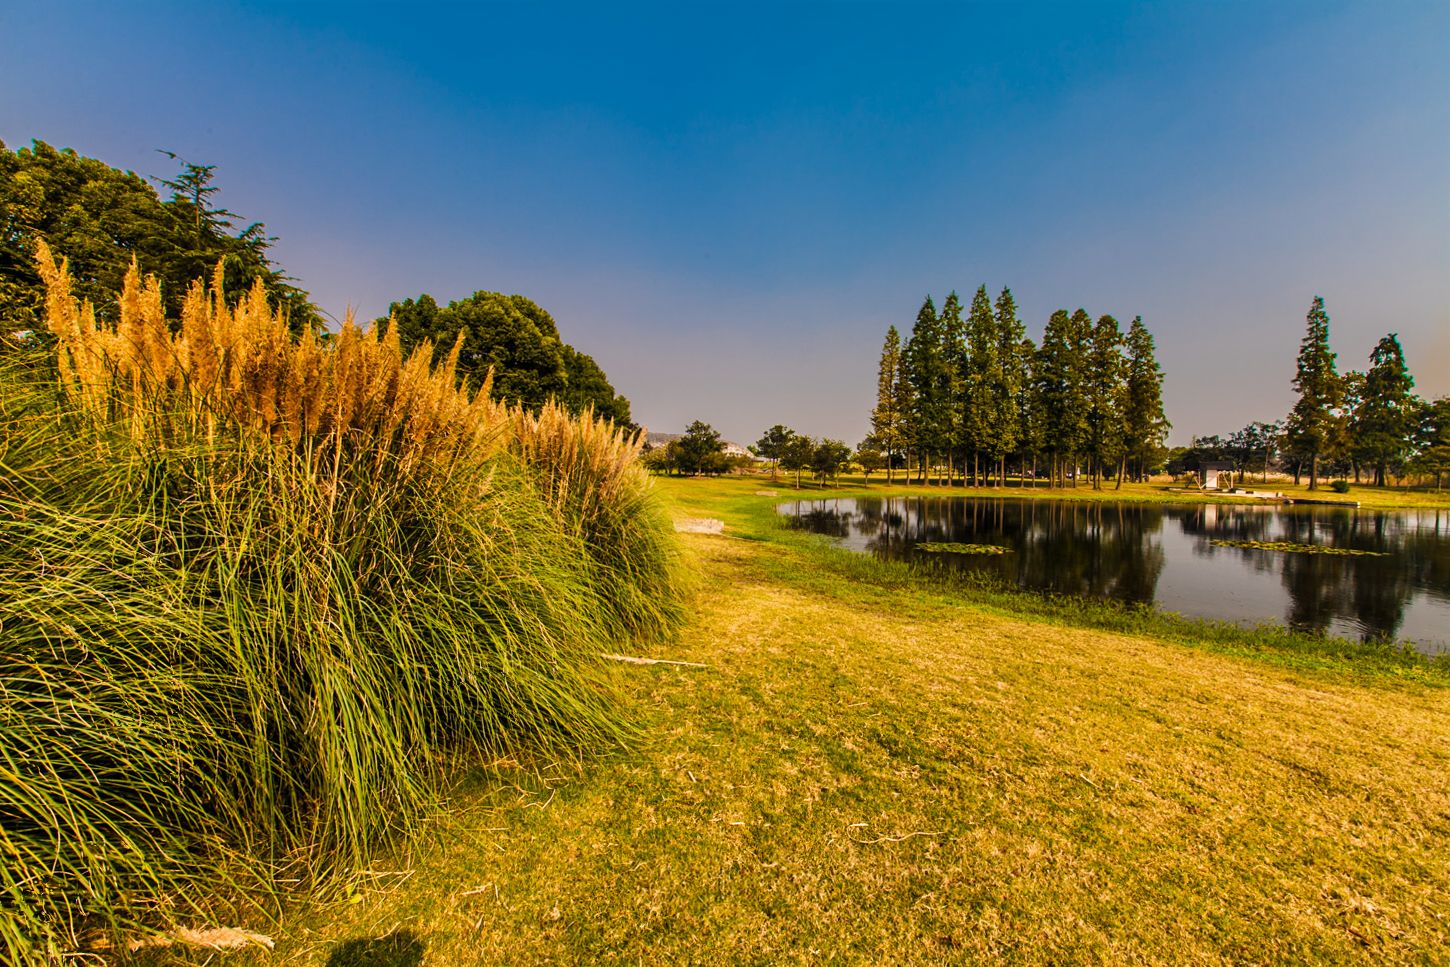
pixel 1369 420
pixel 974 396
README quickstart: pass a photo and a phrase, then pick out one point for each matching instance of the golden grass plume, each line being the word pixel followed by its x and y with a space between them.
pixel 240 367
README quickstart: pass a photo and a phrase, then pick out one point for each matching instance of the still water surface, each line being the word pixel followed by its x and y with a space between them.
pixel 1161 555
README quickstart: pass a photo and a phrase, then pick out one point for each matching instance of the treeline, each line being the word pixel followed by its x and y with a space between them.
pixel 102 219
pixel 699 450
pixel 969 396
pixel 1362 423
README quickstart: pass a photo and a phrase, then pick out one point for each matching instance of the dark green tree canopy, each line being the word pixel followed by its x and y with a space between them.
pixel 828 458
pixel 772 442
pixel 694 452
pixel 101 218
pixel 519 341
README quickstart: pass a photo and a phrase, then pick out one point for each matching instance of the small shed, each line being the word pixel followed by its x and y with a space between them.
pixel 1216 475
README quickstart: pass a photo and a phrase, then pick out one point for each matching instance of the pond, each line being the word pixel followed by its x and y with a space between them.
pixel 1166 556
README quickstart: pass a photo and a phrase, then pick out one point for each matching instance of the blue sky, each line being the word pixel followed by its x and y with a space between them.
pixel 727 205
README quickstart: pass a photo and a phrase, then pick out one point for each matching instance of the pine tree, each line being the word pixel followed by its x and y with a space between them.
pixel 886 419
pixel 1432 438
pixel 1011 381
pixel 905 407
pixel 1383 422
pixel 1029 409
pixel 1145 425
pixel 930 378
pixel 1311 422
pixel 1059 374
pixel 954 349
pixel 1105 396
pixel 983 376
pixel 1344 445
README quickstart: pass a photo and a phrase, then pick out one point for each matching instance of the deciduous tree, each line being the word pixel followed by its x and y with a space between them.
pixel 871 456
pixel 798 454
pixel 828 459
pixel 772 443
pixel 694 451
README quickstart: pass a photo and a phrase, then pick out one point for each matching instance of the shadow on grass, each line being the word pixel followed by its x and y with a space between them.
pixel 402 948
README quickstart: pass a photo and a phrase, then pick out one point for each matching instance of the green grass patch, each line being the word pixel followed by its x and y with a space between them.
pixel 878 765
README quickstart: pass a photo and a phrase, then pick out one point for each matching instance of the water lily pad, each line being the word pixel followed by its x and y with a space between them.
pixel 1289 547
pixel 951 547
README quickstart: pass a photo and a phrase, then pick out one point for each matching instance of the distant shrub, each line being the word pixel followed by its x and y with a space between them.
pixel 1339 486
pixel 259 594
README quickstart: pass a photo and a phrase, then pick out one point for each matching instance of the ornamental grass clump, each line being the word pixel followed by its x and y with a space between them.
pixel 590 475
pixel 260 593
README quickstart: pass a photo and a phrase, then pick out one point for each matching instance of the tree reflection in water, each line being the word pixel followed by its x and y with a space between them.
pixel 1119 551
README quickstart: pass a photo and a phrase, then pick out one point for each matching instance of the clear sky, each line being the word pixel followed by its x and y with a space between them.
pixel 727 204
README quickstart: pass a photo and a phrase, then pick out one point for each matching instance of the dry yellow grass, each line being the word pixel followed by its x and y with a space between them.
pixel 240 366
pixel 579 451
pixel 886 776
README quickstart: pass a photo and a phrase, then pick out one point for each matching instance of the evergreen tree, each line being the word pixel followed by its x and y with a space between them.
pixel 905 407
pixel 1344 445
pixel 1383 423
pixel 1432 439
pixel 886 419
pixel 1311 422
pixel 1081 325
pixel 954 349
pixel 1105 396
pixel 1011 381
pixel 1059 374
pixel 930 376
pixel 981 406
pixel 1145 425
pixel 1029 409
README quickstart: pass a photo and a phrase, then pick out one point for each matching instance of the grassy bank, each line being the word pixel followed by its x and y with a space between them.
pixel 260 598
pixel 868 770
pixel 1370 498
pixel 749 511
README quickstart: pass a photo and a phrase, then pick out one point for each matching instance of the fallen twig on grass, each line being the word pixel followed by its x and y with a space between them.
pixel 219 938
pixel 895 839
pixel 631 659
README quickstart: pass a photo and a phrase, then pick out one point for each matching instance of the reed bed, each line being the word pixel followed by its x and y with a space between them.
pixel 260 595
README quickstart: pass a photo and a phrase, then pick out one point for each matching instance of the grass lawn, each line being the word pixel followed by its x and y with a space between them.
pixel 872 769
